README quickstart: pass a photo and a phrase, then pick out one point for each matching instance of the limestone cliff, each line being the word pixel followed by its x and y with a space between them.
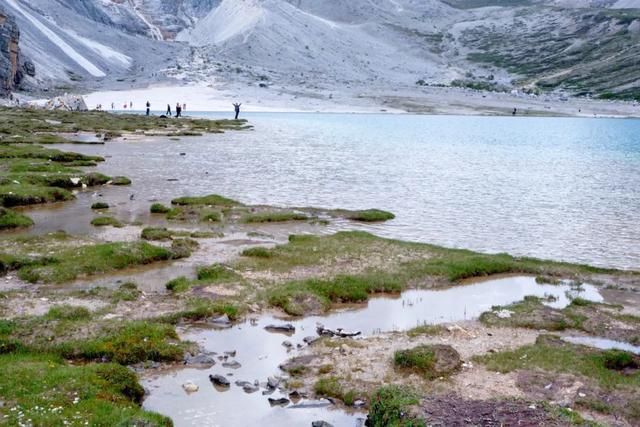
pixel 10 73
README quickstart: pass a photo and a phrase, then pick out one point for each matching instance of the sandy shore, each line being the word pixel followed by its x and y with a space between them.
pixel 421 100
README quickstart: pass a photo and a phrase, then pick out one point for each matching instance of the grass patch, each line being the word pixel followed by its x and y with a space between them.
pixel 274 216
pixel 104 221
pixel 209 200
pixel 177 285
pixel 216 273
pixel 10 219
pixel 25 194
pixel 100 205
pixel 202 309
pixel 426 330
pixel 391 407
pixel 156 233
pixel 90 260
pixel 299 297
pixel 50 392
pixel 68 312
pixel 421 359
pixel 370 215
pixel 257 253
pixel 565 358
pixel 120 180
pixel 333 387
pixel 159 208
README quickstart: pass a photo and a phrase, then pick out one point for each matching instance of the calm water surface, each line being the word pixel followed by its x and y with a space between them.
pixel 561 188
pixel 261 352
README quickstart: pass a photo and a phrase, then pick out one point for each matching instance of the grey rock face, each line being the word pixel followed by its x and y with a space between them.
pixel 10 72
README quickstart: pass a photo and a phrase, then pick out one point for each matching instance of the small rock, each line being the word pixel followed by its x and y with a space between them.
pixel 310 340
pixel 231 353
pixel 286 328
pixel 272 382
pixel 190 387
pixel 219 380
pixel 287 344
pixel 504 314
pixel 321 424
pixel 359 403
pixel 582 395
pixel 282 401
pixel 232 365
pixel 200 359
pixel 222 320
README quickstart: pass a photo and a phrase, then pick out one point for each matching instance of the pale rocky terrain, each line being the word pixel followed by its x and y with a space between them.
pixel 401 55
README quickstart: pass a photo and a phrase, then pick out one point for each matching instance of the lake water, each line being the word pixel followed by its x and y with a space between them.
pixel 260 352
pixel 560 188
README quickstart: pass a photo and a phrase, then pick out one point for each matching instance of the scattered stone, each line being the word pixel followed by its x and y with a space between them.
pixel 190 387
pixel 231 353
pixel 221 321
pixel 282 401
pixel 287 328
pixel 322 331
pixel 359 403
pixel 310 340
pixel 219 380
pixel 204 360
pixel 272 382
pixel 232 365
pixel 321 424
pixel 287 344
pixel 297 363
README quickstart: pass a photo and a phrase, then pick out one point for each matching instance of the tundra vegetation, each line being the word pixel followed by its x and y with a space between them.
pixel 80 340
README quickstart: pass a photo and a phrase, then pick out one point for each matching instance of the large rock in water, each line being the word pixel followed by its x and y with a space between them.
pixel 10 72
pixel 66 102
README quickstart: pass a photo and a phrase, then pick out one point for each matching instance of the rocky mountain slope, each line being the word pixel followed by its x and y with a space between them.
pixel 586 47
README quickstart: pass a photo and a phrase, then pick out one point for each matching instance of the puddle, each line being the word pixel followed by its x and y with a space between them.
pixel 261 352
pixel 603 343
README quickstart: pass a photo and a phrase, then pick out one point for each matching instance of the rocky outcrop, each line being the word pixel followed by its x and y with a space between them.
pixel 10 71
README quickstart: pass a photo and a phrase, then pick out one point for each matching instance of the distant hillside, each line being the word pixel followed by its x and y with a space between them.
pixel 582 47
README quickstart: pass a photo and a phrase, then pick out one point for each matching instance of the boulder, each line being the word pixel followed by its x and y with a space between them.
pixel 287 328
pixel 67 102
pixel 219 380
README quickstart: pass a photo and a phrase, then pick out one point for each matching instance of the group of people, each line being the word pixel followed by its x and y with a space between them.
pixel 179 109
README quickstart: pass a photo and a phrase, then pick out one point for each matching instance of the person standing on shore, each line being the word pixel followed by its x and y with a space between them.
pixel 236 107
pixel 178 110
pixel 169 110
pixel 148 107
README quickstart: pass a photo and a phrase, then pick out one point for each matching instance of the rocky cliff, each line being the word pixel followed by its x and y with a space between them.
pixel 10 73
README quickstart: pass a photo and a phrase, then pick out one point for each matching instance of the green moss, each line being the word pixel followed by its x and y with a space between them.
pixel 564 358
pixel 182 248
pixel 120 180
pixel 159 208
pixel 275 216
pixel 11 219
pixel 103 221
pixel 90 260
pixel 421 359
pixel 100 205
pixel 291 296
pixel 156 233
pixel 24 194
pixel 180 284
pixel 332 387
pixel 210 200
pixel 92 394
pixel 257 252
pixel 68 312
pixel 201 309
pixel 216 273
pixel 428 330
pixel 371 215
pixel 211 216
pixel 391 407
